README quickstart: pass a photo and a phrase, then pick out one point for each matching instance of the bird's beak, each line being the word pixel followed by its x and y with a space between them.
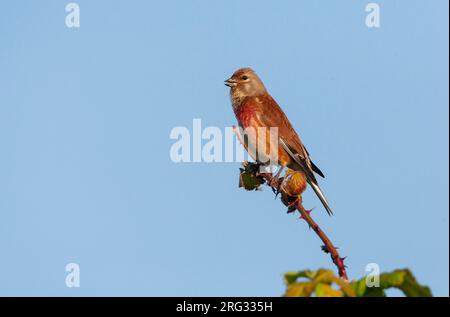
pixel 230 82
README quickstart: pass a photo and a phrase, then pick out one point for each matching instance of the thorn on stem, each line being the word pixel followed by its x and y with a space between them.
pixel 308 212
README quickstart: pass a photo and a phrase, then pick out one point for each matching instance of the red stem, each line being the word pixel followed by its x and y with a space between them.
pixel 329 247
pixel 337 260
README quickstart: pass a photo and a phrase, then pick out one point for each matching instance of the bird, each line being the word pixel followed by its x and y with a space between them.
pixel 255 109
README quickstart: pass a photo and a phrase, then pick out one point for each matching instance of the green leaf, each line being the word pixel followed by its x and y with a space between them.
pixel 324 282
pixel 324 276
pixel 249 178
pixel 406 282
pixel 292 277
pixel 301 289
pixel 403 280
pixel 359 287
pixel 325 290
pixel 311 281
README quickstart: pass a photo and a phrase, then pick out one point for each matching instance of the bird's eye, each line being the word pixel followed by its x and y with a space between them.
pixel 244 77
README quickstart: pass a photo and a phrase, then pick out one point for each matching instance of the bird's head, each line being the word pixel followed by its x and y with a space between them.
pixel 245 83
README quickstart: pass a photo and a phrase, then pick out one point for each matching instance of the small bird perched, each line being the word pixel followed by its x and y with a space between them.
pixel 254 109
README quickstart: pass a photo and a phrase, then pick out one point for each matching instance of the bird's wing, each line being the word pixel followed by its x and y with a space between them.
pixel 314 166
pixel 312 182
pixel 285 131
pixel 291 143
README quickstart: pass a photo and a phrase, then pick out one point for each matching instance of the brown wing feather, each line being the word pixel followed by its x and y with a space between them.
pixel 270 114
pixel 285 130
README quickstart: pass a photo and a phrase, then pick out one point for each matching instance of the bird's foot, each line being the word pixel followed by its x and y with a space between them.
pixel 292 207
pixel 275 183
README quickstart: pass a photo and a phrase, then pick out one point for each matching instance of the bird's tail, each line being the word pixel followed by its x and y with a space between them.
pixel 321 196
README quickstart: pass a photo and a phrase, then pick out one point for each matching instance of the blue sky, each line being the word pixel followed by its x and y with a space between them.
pixel 85 117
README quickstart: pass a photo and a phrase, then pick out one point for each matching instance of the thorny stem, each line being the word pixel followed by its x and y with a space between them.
pixel 328 245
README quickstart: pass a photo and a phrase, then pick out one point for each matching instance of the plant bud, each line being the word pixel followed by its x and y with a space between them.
pixel 294 183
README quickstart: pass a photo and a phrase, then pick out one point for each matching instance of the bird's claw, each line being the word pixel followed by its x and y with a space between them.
pixel 275 184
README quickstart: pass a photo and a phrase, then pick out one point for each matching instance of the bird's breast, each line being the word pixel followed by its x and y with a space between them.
pixel 246 115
